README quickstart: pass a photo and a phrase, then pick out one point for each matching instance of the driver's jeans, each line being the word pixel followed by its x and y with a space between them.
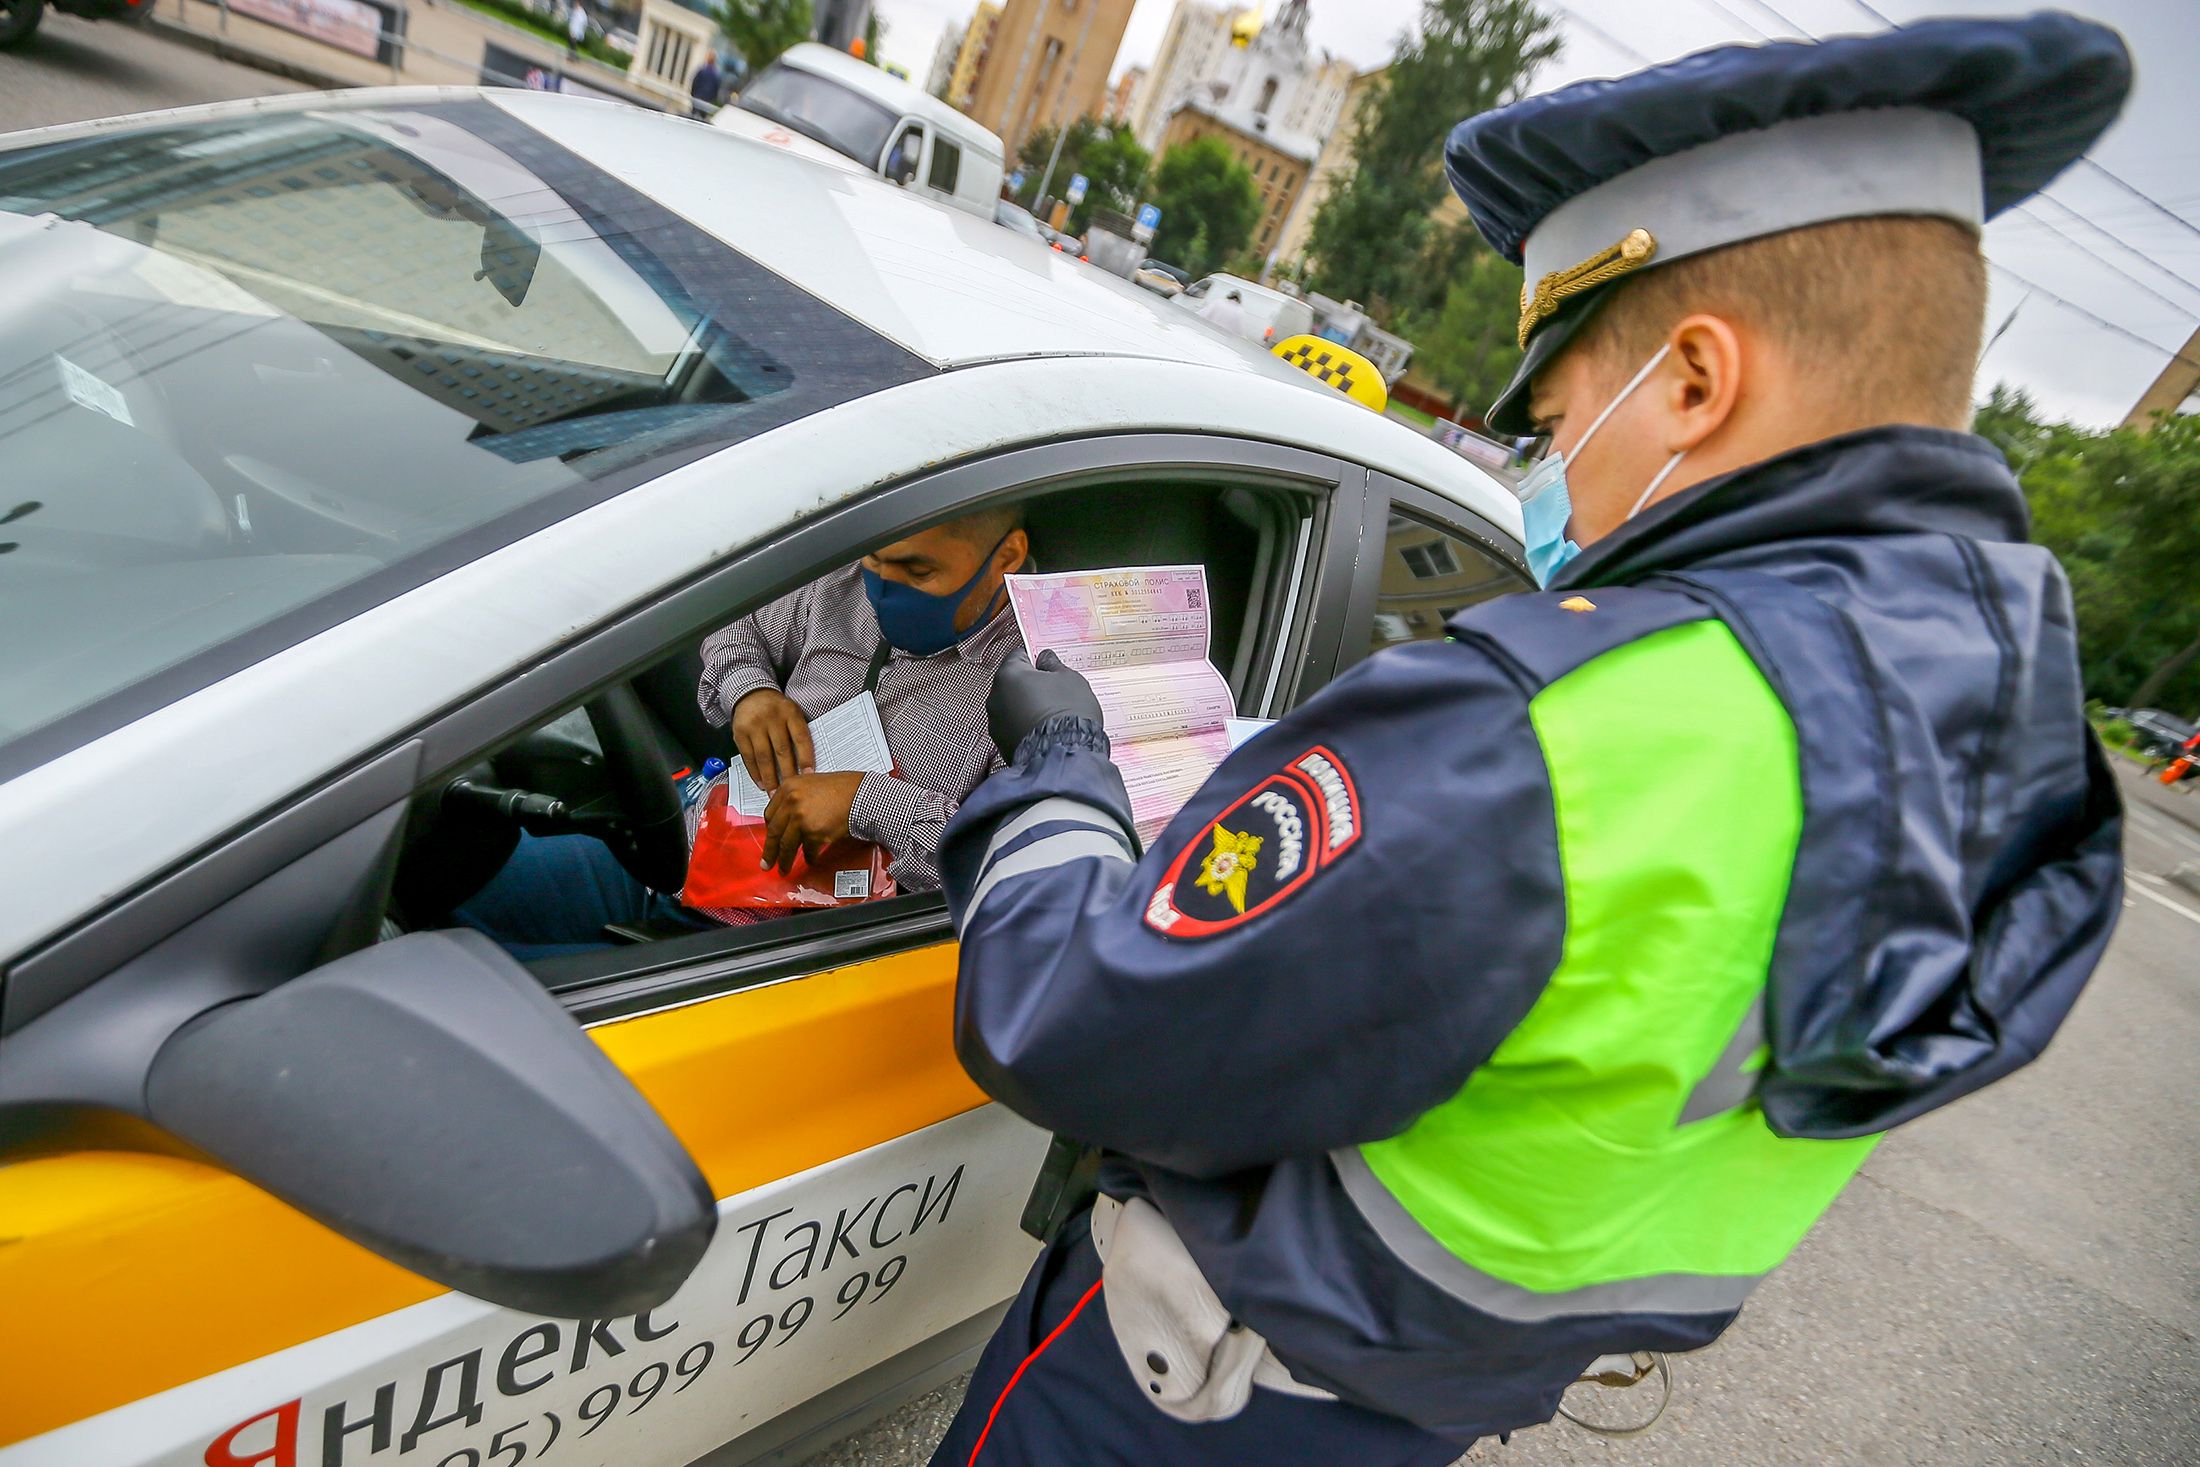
pixel 558 892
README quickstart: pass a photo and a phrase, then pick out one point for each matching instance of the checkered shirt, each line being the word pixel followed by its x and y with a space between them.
pixel 816 645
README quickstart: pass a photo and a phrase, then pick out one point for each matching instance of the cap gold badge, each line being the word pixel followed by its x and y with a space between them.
pixel 1554 289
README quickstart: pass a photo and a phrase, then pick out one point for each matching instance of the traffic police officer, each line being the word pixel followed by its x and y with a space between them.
pixel 1525 997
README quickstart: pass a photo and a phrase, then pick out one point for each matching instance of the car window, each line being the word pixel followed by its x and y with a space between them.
pixel 1427 575
pixel 822 110
pixel 1199 290
pixel 268 360
pixel 946 166
pixel 1251 543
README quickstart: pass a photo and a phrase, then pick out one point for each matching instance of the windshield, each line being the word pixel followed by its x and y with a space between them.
pixel 822 109
pixel 247 365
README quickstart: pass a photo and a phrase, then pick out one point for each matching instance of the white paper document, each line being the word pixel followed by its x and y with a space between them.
pixel 849 737
pixel 1139 635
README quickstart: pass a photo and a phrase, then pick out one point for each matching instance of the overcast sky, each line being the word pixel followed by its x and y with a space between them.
pixel 2076 368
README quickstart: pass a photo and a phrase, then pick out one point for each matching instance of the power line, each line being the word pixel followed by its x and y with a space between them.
pixel 1730 15
pixel 2089 222
pixel 2142 196
pixel 1782 20
pixel 2101 321
pixel 1602 34
pixel 1874 14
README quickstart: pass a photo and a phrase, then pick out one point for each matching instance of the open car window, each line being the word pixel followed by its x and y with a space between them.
pixel 259 373
pixel 1256 546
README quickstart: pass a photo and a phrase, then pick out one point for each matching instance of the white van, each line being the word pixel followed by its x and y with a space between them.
pixel 1264 315
pixel 826 104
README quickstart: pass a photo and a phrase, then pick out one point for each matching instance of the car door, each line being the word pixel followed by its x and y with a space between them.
pixel 1437 558
pixel 868 1194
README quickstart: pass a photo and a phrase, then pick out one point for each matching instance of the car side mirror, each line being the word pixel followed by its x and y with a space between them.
pixel 428 1100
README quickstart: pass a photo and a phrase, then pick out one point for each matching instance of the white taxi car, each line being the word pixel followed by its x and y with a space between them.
pixel 371 466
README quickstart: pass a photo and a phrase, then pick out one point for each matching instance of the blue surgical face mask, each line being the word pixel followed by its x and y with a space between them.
pixel 1546 508
pixel 919 622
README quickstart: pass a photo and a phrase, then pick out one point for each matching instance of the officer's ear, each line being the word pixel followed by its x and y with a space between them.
pixel 1702 380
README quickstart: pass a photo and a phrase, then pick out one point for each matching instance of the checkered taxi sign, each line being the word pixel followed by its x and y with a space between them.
pixel 1340 367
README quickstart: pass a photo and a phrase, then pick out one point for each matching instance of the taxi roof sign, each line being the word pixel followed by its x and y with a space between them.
pixel 1339 366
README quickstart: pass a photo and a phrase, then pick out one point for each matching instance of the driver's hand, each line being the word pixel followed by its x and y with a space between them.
pixel 773 738
pixel 808 813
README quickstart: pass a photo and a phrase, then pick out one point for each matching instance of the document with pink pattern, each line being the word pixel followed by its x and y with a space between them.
pixel 1139 635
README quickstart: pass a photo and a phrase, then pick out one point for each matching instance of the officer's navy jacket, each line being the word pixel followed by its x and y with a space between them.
pixel 1522 997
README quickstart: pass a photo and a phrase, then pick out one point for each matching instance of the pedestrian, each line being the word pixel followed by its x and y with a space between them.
pixel 707 87
pixel 1225 312
pixel 576 27
pixel 1433 1052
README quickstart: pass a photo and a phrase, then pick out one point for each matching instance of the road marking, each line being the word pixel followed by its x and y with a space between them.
pixel 2183 911
pixel 2162 828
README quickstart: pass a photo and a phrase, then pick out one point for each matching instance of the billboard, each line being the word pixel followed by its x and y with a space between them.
pixel 369 28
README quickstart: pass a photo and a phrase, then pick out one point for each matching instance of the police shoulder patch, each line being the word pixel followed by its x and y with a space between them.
pixel 1268 844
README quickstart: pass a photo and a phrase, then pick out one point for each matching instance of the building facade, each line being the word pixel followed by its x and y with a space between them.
pixel 942 71
pixel 977 38
pixel 1211 56
pixel 1192 53
pixel 1123 94
pixel 1047 65
pixel 1280 161
pixel 2175 393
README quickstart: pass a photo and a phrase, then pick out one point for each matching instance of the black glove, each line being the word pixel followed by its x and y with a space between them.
pixel 1025 696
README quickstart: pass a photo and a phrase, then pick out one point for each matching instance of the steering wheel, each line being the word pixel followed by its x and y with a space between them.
pixel 651 838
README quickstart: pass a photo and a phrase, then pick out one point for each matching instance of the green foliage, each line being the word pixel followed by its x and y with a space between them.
pixel 874 37
pixel 1466 343
pixel 761 29
pixel 1115 169
pixel 2121 510
pixel 1371 236
pixel 1208 203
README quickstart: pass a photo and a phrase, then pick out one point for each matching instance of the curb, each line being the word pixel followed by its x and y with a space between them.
pixel 228 50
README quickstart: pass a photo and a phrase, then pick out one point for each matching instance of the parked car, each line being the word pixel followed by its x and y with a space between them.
pixel 2162 734
pixel 326 579
pixel 1021 220
pixel 1266 315
pixel 1162 278
pixel 824 103
pixel 18 18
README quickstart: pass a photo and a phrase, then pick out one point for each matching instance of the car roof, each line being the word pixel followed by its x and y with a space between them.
pixel 903 97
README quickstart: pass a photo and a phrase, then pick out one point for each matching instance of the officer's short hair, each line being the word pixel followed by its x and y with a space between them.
pixel 1886 315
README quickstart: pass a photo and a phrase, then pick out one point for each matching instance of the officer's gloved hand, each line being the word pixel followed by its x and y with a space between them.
pixel 1027 697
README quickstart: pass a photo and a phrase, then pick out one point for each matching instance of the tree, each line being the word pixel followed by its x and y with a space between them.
pixel 1467 344
pixel 761 29
pixel 2122 511
pixel 1370 235
pixel 1114 166
pixel 1208 205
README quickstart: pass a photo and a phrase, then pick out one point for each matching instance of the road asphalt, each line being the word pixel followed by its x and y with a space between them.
pixel 72 70
pixel 2011 1280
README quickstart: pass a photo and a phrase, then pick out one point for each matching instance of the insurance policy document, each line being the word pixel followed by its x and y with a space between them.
pixel 1139 635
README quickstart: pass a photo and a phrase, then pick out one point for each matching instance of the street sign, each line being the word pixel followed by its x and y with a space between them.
pixel 1016 182
pixel 1149 220
pixel 1075 193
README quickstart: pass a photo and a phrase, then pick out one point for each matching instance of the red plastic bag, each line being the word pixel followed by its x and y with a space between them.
pixel 726 870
